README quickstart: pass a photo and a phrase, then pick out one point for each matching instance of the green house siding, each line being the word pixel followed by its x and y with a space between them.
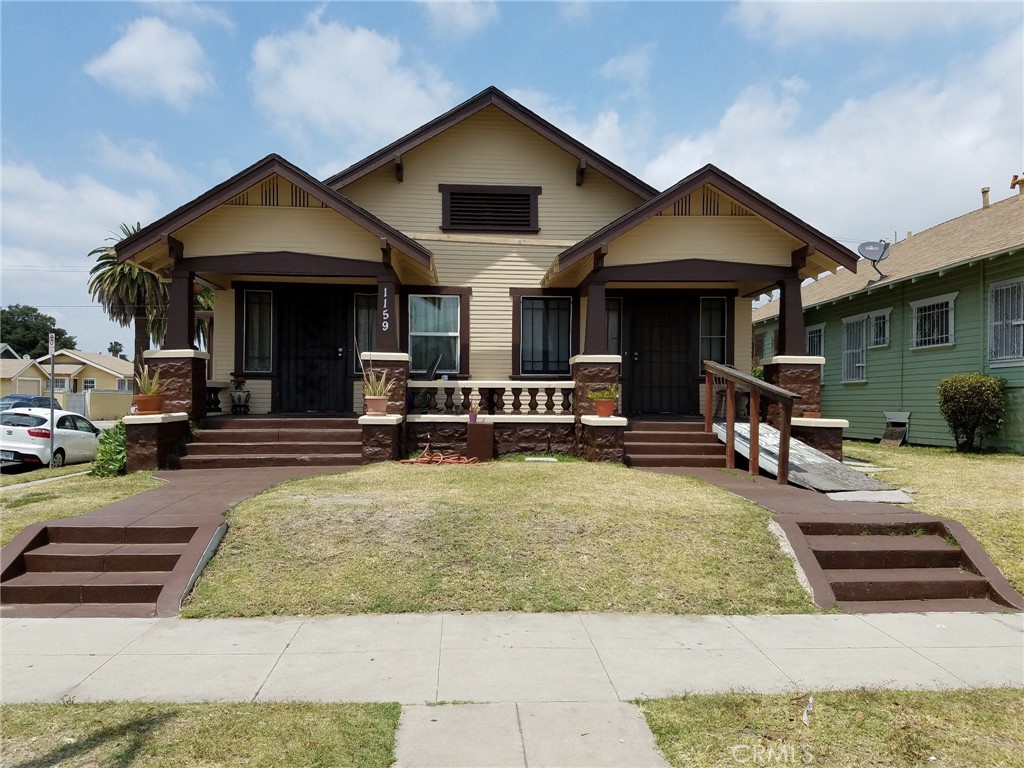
pixel 900 378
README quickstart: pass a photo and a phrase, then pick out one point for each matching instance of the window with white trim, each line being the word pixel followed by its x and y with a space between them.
pixel 933 321
pixel 88 384
pixel 1006 322
pixel 124 385
pixel 60 384
pixel 814 342
pixel 433 331
pixel 855 333
pixel 880 327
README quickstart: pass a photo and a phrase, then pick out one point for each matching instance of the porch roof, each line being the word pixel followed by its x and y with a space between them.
pixel 157 233
pixel 815 240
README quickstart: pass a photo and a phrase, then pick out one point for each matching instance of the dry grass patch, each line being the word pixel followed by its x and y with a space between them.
pixel 16 475
pixel 21 506
pixel 183 735
pixel 982 491
pixel 498 537
pixel 848 729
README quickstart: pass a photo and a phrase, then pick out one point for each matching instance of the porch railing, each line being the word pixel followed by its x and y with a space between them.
pixel 757 389
pixel 510 398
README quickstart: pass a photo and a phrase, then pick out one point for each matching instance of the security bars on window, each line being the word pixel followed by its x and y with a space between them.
pixel 1006 322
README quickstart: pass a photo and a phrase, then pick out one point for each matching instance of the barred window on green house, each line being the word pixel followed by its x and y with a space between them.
pixel 855 349
pixel 933 321
pixel 1006 321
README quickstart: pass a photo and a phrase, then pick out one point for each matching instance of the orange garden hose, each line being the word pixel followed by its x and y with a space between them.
pixel 438 458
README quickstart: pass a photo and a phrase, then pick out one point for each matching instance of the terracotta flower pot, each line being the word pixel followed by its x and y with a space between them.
pixel 148 405
pixel 604 407
pixel 375 405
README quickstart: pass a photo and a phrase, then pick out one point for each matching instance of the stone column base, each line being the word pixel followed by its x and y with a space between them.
pixel 592 372
pixel 152 442
pixel 183 374
pixel 382 437
pixel 825 435
pixel 396 366
pixel 602 438
pixel 801 375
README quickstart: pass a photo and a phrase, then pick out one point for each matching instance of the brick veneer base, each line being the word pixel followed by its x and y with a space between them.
pixel 828 440
pixel 154 446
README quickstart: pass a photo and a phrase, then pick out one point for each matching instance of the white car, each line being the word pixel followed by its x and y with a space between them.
pixel 25 437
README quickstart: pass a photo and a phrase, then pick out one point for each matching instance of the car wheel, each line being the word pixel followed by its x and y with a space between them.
pixel 58 458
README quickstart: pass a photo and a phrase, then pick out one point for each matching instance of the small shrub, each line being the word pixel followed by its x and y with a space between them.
pixel 973 405
pixel 111 453
pixel 758 372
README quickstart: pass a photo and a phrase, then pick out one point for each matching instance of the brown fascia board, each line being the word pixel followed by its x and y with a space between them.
pixel 492 96
pixel 271 164
pixel 726 184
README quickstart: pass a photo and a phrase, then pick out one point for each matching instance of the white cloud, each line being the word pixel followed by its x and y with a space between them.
pixel 138 158
pixel 630 69
pixel 461 18
pixel 907 157
pixel 574 10
pixel 49 227
pixel 343 82
pixel 196 13
pixel 789 23
pixel 154 60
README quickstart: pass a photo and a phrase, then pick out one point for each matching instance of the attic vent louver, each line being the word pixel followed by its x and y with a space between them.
pixel 488 209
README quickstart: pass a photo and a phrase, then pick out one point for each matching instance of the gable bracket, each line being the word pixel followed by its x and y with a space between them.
pixel 385 252
pixel 399 169
pixel 800 255
pixel 581 172
pixel 599 255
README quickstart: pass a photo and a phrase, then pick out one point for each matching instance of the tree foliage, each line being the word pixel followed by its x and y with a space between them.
pixel 116 349
pixel 28 330
pixel 973 405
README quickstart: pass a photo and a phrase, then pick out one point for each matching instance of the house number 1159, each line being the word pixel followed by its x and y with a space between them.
pixel 385 314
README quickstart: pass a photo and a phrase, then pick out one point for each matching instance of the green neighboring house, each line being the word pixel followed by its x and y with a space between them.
pixel 951 301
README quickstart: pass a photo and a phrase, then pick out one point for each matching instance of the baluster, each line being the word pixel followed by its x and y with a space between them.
pixel 499 399
pixel 431 399
pixel 533 399
pixel 567 400
pixel 449 402
pixel 487 400
pixel 517 399
pixel 549 403
pixel 467 401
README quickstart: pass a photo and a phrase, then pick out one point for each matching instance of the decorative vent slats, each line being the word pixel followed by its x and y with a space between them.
pixel 489 209
pixel 276 192
pixel 704 202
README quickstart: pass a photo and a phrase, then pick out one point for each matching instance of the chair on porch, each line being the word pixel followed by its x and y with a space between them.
pixel 419 398
pixel 720 391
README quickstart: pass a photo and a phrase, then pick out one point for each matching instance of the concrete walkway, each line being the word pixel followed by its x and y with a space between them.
pixel 546 689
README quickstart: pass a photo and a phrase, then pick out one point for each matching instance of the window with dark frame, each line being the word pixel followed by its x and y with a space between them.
pixel 365 311
pixel 258 331
pixel 546 323
pixel 480 208
pixel 613 318
pixel 434 327
pixel 713 329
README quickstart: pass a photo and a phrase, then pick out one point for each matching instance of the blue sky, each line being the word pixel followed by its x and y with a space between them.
pixel 863 119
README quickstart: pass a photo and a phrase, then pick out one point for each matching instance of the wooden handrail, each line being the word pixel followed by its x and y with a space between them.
pixel 758 389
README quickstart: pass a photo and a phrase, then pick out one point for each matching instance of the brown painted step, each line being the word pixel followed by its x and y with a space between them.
pixel 272 448
pixel 860 584
pixel 685 460
pixel 103 557
pixel 104 534
pixel 665 426
pixel 676 449
pixel 84 587
pixel 259 422
pixel 979 605
pixel 839 552
pixel 630 438
pixel 275 435
pixel 281 460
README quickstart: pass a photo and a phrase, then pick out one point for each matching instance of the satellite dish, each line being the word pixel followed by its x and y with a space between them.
pixel 874 251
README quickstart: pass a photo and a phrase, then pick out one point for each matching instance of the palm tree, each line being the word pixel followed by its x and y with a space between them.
pixel 129 293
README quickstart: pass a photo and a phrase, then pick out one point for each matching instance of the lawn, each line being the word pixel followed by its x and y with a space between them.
pixel 982 491
pixel 16 474
pixel 183 735
pixel 848 729
pixel 505 536
pixel 20 506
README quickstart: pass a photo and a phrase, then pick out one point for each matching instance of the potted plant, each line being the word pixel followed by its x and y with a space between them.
pixel 377 386
pixel 605 399
pixel 474 411
pixel 150 398
pixel 239 394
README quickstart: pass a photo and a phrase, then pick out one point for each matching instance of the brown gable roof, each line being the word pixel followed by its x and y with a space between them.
pixel 986 232
pixel 729 186
pixel 491 96
pixel 268 166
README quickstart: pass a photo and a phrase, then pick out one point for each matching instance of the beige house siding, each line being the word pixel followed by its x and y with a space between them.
pixel 234 229
pixel 23 385
pixel 492 148
pixel 745 239
pixel 743 334
pixel 223 344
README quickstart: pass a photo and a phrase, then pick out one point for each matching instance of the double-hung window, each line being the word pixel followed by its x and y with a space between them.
pixel 365 317
pixel 855 332
pixel 613 316
pixel 713 329
pixel 880 328
pixel 88 384
pixel 124 385
pixel 933 321
pixel 814 342
pixel 434 330
pixel 1006 322
pixel 545 335
pixel 258 331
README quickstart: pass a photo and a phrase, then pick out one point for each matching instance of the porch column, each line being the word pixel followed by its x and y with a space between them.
pixel 387 318
pixel 181 311
pixel 791 318
pixel 596 342
pixel 183 374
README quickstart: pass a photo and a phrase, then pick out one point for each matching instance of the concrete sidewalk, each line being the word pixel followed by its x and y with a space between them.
pixel 541 689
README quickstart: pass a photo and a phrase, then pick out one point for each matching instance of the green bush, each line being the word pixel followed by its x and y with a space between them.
pixel 973 405
pixel 111 453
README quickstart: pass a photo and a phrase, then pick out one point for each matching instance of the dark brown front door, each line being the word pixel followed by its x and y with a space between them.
pixel 660 356
pixel 311 347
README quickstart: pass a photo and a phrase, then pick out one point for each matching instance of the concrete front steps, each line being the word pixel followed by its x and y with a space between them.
pixel 671 444
pixel 93 570
pixel 256 441
pixel 902 564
